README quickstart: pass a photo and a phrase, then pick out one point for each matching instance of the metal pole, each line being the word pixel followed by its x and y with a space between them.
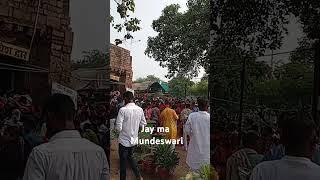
pixel 185 90
pixel 316 81
pixel 213 31
pixel 272 65
pixel 242 78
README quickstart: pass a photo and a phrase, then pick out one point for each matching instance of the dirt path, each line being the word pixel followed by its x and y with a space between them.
pixel 180 171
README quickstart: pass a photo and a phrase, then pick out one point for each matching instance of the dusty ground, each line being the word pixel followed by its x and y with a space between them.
pixel 180 171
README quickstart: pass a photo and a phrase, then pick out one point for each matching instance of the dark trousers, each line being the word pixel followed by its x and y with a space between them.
pixel 125 154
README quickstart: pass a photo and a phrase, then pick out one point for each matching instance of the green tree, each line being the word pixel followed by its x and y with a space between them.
pixel 200 89
pixel 179 85
pixel 128 24
pixel 304 54
pixel 242 29
pixel 291 90
pixel 307 11
pixel 150 78
pixel 182 41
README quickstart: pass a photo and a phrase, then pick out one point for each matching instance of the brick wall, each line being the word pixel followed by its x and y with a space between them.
pixel 121 64
pixel 53 26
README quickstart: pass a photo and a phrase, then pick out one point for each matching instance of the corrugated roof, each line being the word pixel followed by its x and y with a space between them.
pixel 146 85
pixel 165 86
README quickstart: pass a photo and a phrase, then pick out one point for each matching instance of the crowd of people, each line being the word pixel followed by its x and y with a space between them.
pixel 154 106
pixel 31 136
pixel 184 118
pixel 19 120
pixel 23 126
pixel 36 142
pixel 290 151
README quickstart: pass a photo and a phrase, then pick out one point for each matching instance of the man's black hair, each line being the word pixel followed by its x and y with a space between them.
pixel 87 126
pixel 202 103
pixel 298 130
pixel 128 95
pixel 61 106
pixel 29 122
pixel 250 139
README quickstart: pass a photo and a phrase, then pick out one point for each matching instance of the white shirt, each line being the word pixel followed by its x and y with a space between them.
pixel 130 118
pixel 288 168
pixel 198 127
pixel 67 156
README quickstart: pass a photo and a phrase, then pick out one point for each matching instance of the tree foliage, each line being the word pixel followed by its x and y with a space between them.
pixel 292 89
pixel 309 15
pixel 304 54
pixel 180 85
pixel 200 89
pixel 182 41
pixel 128 24
pixel 243 30
pixel 149 78
pixel 250 27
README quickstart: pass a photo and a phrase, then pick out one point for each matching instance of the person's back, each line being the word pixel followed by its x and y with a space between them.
pixel 198 127
pixel 129 120
pixel 298 136
pixel 241 163
pixel 67 156
pixel 168 119
pixel 288 168
pixel 168 115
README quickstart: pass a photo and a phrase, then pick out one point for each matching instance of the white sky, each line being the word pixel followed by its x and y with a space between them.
pixel 146 11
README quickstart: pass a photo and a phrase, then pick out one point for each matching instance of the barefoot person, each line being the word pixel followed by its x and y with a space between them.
pixel 129 119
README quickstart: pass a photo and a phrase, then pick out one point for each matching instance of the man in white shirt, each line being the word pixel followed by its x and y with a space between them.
pixel 67 156
pixel 130 118
pixel 198 128
pixel 298 136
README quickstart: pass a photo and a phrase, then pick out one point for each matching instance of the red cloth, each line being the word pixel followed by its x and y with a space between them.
pixel 162 106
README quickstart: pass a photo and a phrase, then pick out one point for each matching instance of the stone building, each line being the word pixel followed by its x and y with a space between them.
pixel 35 45
pixel 114 75
pixel 121 65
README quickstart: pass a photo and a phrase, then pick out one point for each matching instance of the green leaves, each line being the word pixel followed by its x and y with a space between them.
pixel 200 89
pixel 166 157
pixel 129 24
pixel 150 78
pixel 178 85
pixel 292 89
pixel 206 172
pixel 182 42
pixel 309 15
